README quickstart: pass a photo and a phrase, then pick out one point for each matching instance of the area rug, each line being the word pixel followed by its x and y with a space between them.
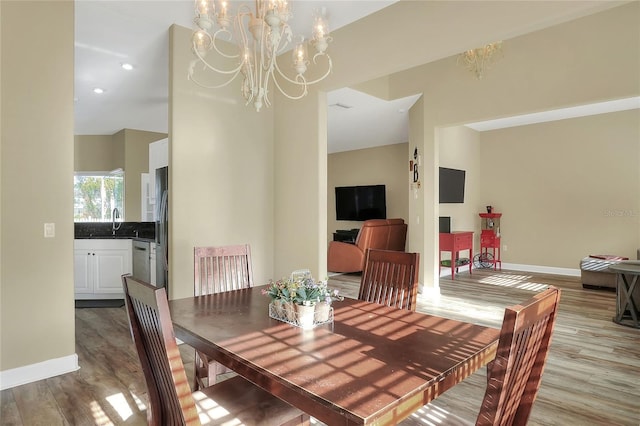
pixel 348 285
pixel 97 303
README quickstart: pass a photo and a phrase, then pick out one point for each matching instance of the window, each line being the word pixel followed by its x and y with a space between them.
pixel 96 195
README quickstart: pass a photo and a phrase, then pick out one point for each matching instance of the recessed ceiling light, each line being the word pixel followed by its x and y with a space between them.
pixel 98 90
pixel 126 66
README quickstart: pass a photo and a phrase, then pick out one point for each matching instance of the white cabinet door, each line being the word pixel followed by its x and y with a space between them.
pixel 109 266
pixel 99 266
pixel 82 279
pixel 158 157
pixel 146 207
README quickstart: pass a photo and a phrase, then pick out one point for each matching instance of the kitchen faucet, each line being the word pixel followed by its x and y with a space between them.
pixel 115 214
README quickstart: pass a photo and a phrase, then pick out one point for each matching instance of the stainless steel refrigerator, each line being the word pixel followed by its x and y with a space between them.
pixel 162 227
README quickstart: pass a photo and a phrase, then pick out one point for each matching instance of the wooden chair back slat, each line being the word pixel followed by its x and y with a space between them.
pixel 390 278
pixel 514 377
pixel 170 398
pixel 218 269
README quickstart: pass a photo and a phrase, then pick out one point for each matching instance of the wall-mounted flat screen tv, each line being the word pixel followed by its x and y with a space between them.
pixel 361 202
pixel 451 185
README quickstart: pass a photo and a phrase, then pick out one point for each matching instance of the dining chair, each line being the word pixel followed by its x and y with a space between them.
pixel 218 269
pixel 171 402
pixel 513 377
pixel 390 278
pixel 300 274
pixel 225 268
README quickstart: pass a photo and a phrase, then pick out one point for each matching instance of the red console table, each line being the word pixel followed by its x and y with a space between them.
pixel 456 242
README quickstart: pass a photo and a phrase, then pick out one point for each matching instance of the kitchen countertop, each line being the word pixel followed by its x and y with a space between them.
pixel 117 237
pixel 140 231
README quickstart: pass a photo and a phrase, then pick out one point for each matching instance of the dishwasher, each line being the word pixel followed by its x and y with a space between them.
pixel 141 255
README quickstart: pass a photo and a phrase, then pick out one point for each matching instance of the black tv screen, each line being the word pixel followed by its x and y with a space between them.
pixel 451 185
pixel 361 202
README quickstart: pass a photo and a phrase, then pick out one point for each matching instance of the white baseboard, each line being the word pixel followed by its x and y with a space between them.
pixel 39 371
pixel 542 269
pixel 525 268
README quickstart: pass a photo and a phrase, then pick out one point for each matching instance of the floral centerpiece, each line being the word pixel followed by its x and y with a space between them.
pixel 301 301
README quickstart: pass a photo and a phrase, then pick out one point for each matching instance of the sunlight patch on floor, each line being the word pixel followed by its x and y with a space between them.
pixel 514 281
pixel 434 416
pixel 139 402
pixel 211 412
pixel 120 404
pixel 99 416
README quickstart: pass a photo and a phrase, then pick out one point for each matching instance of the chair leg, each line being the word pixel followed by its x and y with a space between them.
pixel 212 373
pixel 199 372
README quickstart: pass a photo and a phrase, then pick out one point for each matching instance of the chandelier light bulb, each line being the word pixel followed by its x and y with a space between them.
pixel 201 42
pixel 205 7
pixel 258 37
pixel 320 27
pixel 300 57
pixel 223 10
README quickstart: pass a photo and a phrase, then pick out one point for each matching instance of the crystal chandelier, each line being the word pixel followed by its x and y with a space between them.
pixel 257 37
pixel 477 60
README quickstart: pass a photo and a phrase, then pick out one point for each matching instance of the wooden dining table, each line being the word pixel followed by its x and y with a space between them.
pixel 372 365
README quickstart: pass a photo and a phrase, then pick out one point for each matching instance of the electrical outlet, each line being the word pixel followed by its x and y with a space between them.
pixel 504 247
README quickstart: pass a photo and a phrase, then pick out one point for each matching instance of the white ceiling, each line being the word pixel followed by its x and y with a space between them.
pixel 356 120
pixel 111 32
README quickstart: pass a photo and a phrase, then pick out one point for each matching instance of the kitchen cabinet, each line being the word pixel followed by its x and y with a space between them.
pixel 146 207
pixel 141 260
pixel 158 158
pixel 98 267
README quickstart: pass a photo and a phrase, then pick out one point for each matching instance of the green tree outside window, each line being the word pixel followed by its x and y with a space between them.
pixel 96 195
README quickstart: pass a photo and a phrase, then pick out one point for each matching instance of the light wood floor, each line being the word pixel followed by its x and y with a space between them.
pixel 592 375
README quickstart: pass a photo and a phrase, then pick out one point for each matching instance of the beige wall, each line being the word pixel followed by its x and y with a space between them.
pixel 460 149
pixel 37 316
pixel 94 153
pixel 386 165
pixel 136 161
pixel 300 171
pixel 221 173
pixel 566 189
pixel 127 149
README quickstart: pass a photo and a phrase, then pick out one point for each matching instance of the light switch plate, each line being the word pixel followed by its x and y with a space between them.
pixel 49 230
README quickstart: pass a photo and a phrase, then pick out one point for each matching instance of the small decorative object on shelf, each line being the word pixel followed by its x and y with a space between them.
pixel 301 301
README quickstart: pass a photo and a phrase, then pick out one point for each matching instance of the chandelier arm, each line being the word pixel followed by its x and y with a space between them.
pixel 277 50
pixel 305 82
pixel 192 77
pixel 328 69
pixel 268 76
pixel 211 67
pixel 215 46
pixel 303 85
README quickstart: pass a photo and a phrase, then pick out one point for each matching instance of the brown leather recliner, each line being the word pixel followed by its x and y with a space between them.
pixel 382 234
